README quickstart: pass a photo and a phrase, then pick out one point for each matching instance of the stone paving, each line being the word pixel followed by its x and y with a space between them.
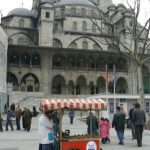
pixel 22 140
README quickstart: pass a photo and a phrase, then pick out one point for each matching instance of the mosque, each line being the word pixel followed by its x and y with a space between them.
pixel 56 50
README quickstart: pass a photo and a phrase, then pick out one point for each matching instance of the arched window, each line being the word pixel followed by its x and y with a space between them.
pixel 83 11
pixel 57 43
pixel 73 11
pixel 73 45
pixel 14 59
pixel 84 26
pixel 85 45
pixel 75 25
pixel 20 41
pixel 93 28
pixel 36 59
pixel 21 23
pixel 25 59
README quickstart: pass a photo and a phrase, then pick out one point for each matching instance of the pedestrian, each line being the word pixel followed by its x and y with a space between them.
pixel 55 117
pixel 123 111
pixel 34 111
pixel 139 119
pixel 108 130
pixel 9 120
pixel 103 128
pixel 130 122
pixel 46 130
pixel 23 118
pixel 18 114
pixel 92 124
pixel 27 119
pixel 12 108
pixel 1 123
pixel 71 115
pixel 119 124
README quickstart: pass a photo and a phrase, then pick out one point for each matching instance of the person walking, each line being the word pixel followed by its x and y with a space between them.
pixel 1 123
pixel 9 120
pixel 119 124
pixel 46 131
pixel 92 123
pixel 12 108
pixel 131 124
pixel 103 129
pixel 71 115
pixel 139 119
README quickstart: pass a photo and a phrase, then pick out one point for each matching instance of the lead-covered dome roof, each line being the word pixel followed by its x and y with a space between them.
pixel 21 12
pixel 74 2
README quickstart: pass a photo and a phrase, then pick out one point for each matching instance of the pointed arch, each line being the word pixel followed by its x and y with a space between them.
pixel 121 85
pixel 30 83
pixel 81 85
pixel 12 79
pixel 58 85
pixel 101 87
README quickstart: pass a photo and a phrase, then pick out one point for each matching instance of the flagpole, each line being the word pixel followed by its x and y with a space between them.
pixel 114 84
pixel 106 80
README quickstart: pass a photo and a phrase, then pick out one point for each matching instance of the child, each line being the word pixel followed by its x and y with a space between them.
pixel 103 126
pixel 107 130
pixel 1 121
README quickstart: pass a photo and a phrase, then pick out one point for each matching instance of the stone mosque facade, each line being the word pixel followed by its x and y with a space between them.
pixel 56 49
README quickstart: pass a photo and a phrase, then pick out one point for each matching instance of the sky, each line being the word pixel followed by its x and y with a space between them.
pixel 8 5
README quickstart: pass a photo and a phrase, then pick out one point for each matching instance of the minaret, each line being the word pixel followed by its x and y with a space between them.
pixel 103 4
pixel 34 4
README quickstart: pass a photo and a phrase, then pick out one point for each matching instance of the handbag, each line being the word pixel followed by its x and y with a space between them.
pixel 50 136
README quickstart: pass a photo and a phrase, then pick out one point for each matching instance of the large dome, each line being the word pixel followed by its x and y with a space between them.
pixel 74 2
pixel 21 12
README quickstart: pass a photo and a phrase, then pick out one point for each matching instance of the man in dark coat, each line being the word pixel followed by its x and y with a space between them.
pixel 139 119
pixel 92 125
pixel 119 124
pixel 131 122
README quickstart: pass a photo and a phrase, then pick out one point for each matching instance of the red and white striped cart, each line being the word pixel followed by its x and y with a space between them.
pixel 83 142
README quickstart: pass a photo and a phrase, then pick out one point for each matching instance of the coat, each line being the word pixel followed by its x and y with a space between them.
pixel 103 129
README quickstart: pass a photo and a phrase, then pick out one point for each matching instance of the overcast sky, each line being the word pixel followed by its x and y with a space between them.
pixel 8 5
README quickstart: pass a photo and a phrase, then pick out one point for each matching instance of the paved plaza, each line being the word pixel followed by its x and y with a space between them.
pixel 22 140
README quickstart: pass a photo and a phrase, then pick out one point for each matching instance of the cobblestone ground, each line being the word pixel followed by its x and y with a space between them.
pixel 22 140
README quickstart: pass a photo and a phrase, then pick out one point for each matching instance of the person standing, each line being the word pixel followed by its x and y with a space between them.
pixel 1 123
pixel 131 122
pixel 12 108
pixel 27 119
pixel 139 119
pixel 46 131
pixel 92 123
pixel 119 124
pixel 71 115
pixel 9 120
pixel 18 114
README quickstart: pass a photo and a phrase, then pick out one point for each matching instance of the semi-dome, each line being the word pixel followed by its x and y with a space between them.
pixel 74 2
pixel 21 12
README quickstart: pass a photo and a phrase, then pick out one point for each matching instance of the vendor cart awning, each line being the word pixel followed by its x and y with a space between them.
pixel 82 104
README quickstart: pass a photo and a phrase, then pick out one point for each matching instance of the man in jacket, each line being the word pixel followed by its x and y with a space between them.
pixel 119 124
pixel 46 131
pixel 131 122
pixel 139 119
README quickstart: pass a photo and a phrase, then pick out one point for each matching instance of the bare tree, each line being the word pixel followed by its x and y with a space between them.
pixel 130 38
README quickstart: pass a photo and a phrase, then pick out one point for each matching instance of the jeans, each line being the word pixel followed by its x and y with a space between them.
pixel 18 123
pixel 9 122
pixel 120 136
pixel 47 147
pixel 56 129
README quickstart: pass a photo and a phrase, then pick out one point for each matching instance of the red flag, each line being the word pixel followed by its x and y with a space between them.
pixel 106 76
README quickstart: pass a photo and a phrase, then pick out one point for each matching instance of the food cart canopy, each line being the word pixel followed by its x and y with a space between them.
pixel 81 104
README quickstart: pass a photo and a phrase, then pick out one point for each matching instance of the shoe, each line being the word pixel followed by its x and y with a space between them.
pixel 139 145
pixel 121 143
